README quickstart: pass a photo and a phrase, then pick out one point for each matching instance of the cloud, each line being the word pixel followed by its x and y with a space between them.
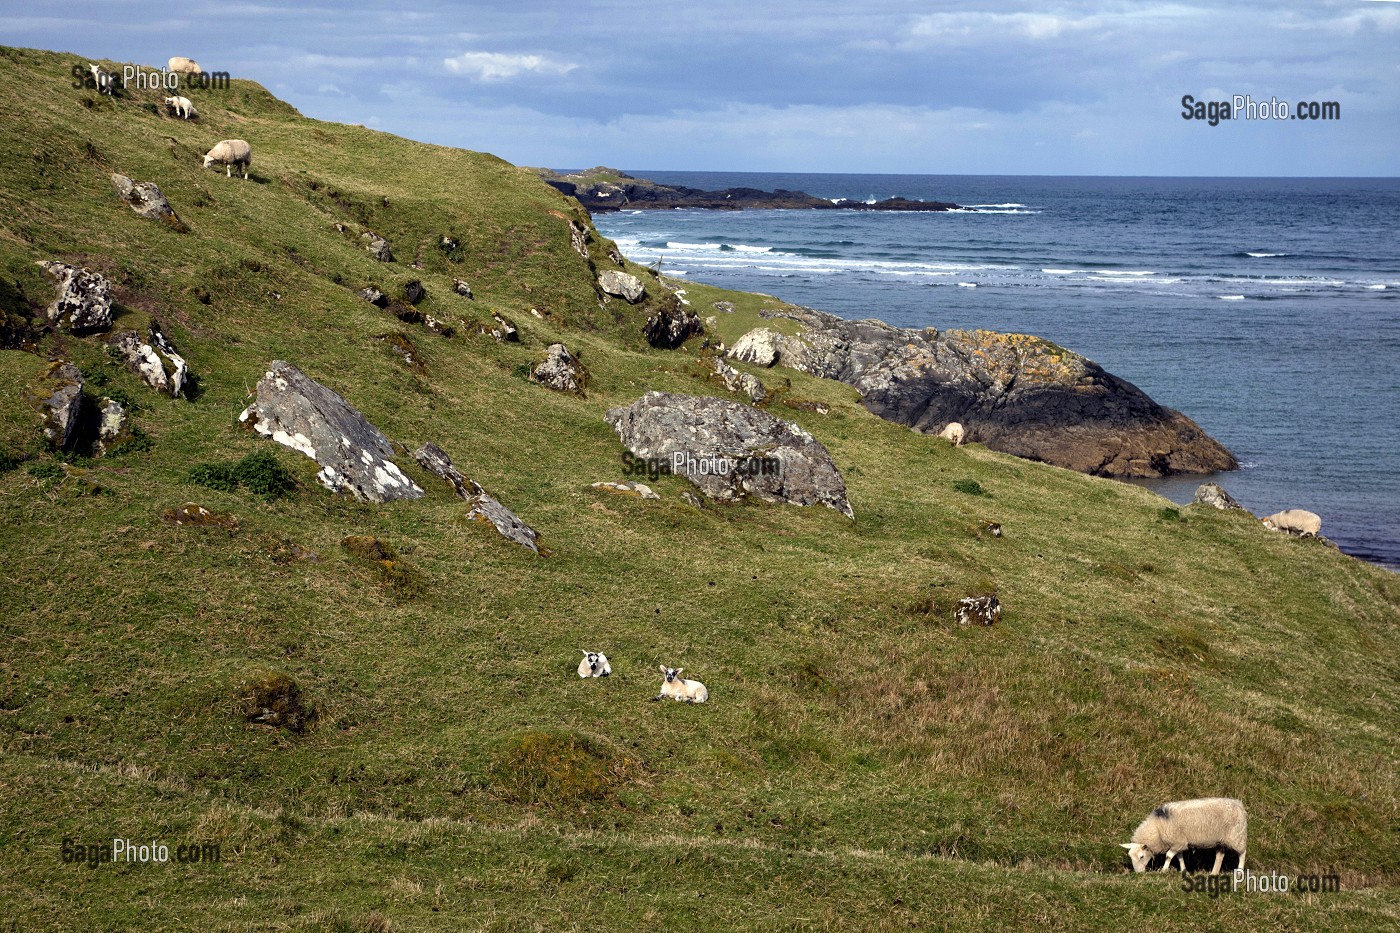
pixel 499 66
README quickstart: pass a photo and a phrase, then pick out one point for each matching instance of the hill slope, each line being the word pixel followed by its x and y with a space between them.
pixel 862 761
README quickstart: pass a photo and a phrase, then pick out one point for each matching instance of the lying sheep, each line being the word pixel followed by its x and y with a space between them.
pixel 228 153
pixel 180 65
pixel 954 433
pixel 182 106
pixel 594 664
pixel 1211 823
pixel 1298 522
pixel 106 80
pixel 680 689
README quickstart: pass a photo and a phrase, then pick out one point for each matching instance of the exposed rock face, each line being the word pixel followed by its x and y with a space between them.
pixel 981 610
pixel 112 428
pixel 1216 497
pixel 560 371
pixel 578 238
pixel 300 413
pixel 144 198
pixel 736 381
pixel 413 292
pixel 84 300
pixel 1298 522
pixel 622 285
pixel 157 363
pixel 1017 394
pixel 374 296
pixel 378 247
pixel 484 507
pixel 462 288
pixel 58 397
pixel 731 450
pixel 758 346
pixel 671 327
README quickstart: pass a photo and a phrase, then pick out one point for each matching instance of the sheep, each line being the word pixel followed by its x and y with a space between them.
pixel 182 106
pixel 680 689
pixel 180 65
pixel 1210 823
pixel 1298 522
pixel 594 664
pixel 106 80
pixel 954 433
pixel 228 153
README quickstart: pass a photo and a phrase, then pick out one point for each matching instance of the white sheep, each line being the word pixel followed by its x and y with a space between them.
pixel 680 689
pixel 953 433
pixel 182 106
pixel 1299 522
pixel 180 65
pixel 1211 823
pixel 106 80
pixel 228 153
pixel 594 664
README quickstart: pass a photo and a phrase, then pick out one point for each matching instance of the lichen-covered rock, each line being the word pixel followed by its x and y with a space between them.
pixel 578 238
pixel 736 381
pixel 157 362
pixel 298 412
pixel 84 300
pixel 378 247
pixel 435 460
pixel 758 346
pixel 622 285
pixel 1018 394
pixel 374 296
pixel 58 397
pixel 145 198
pixel 730 450
pixel 1213 495
pixel 640 490
pixel 560 371
pixel 724 307
pixel 112 426
pixel 462 288
pixel 982 610
pixel 668 328
pixel 485 508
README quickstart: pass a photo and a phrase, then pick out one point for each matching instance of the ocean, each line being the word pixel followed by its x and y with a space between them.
pixel 1266 309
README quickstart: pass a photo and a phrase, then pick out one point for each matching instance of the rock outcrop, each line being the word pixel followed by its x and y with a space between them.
pixel 1215 496
pixel 84 300
pixel 378 247
pixel 1018 394
pixel 145 198
pixel 58 397
pixel 560 371
pixel 485 508
pixel 759 347
pixel 298 412
pixel 156 362
pixel 736 381
pixel 622 285
pixel 668 328
pixel 112 427
pixel 731 450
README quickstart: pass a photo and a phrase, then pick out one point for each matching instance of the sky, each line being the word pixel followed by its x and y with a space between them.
pixel 880 86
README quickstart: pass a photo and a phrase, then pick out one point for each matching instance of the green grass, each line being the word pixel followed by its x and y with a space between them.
pixel 862 762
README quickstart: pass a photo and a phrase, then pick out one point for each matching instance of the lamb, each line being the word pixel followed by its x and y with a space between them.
pixel 680 689
pixel 228 153
pixel 106 80
pixel 953 433
pixel 1210 823
pixel 1298 522
pixel 182 106
pixel 180 65
pixel 594 664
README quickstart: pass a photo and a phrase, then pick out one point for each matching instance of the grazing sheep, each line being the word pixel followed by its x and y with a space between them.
pixel 228 153
pixel 680 689
pixel 1211 823
pixel 182 106
pixel 594 664
pixel 954 433
pixel 106 80
pixel 183 66
pixel 1298 522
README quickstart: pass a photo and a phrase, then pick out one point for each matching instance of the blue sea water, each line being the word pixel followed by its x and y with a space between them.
pixel 1268 310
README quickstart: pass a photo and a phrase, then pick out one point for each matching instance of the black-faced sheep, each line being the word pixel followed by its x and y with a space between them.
pixel 1217 823
pixel 594 664
pixel 228 153
pixel 680 689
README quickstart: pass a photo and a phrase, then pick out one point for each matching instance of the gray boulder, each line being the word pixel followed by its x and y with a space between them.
pixel 156 362
pixel 84 300
pixel 58 397
pixel 668 328
pixel 560 371
pixel 112 427
pixel 758 346
pixel 1213 495
pixel 730 450
pixel 462 288
pixel 622 285
pixel 374 296
pixel 1015 393
pixel 724 307
pixel 300 413
pixel 145 198
pixel 736 381
pixel 378 247
pixel 484 507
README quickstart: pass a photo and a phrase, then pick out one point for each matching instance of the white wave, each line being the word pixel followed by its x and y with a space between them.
pixel 967 285
pixel 1266 255
pixel 753 249
pixel 1059 271
pixel 670 245
pixel 1007 204
pixel 1230 297
pixel 984 210
pixel 1116 272
pixel 1376 288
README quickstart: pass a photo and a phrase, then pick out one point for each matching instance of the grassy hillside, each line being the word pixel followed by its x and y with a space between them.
pixel 863 762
